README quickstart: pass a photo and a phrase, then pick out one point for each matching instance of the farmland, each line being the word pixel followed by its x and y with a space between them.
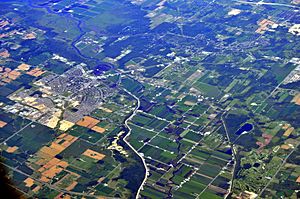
pixel 150 99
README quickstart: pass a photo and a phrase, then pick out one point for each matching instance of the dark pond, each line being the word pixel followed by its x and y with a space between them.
pixel 246 127
pixel 98 70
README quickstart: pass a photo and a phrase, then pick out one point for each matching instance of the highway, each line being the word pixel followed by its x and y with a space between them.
pixel 266 3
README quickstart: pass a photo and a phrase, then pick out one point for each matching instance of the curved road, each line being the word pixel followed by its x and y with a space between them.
pixel 127 126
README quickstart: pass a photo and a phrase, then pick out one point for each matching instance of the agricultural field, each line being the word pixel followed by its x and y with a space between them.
pixel 150 99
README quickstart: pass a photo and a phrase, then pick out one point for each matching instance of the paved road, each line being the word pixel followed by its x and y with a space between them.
pixel 284 161
pixel 266 3
pixel 4 141
pixel 134 150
